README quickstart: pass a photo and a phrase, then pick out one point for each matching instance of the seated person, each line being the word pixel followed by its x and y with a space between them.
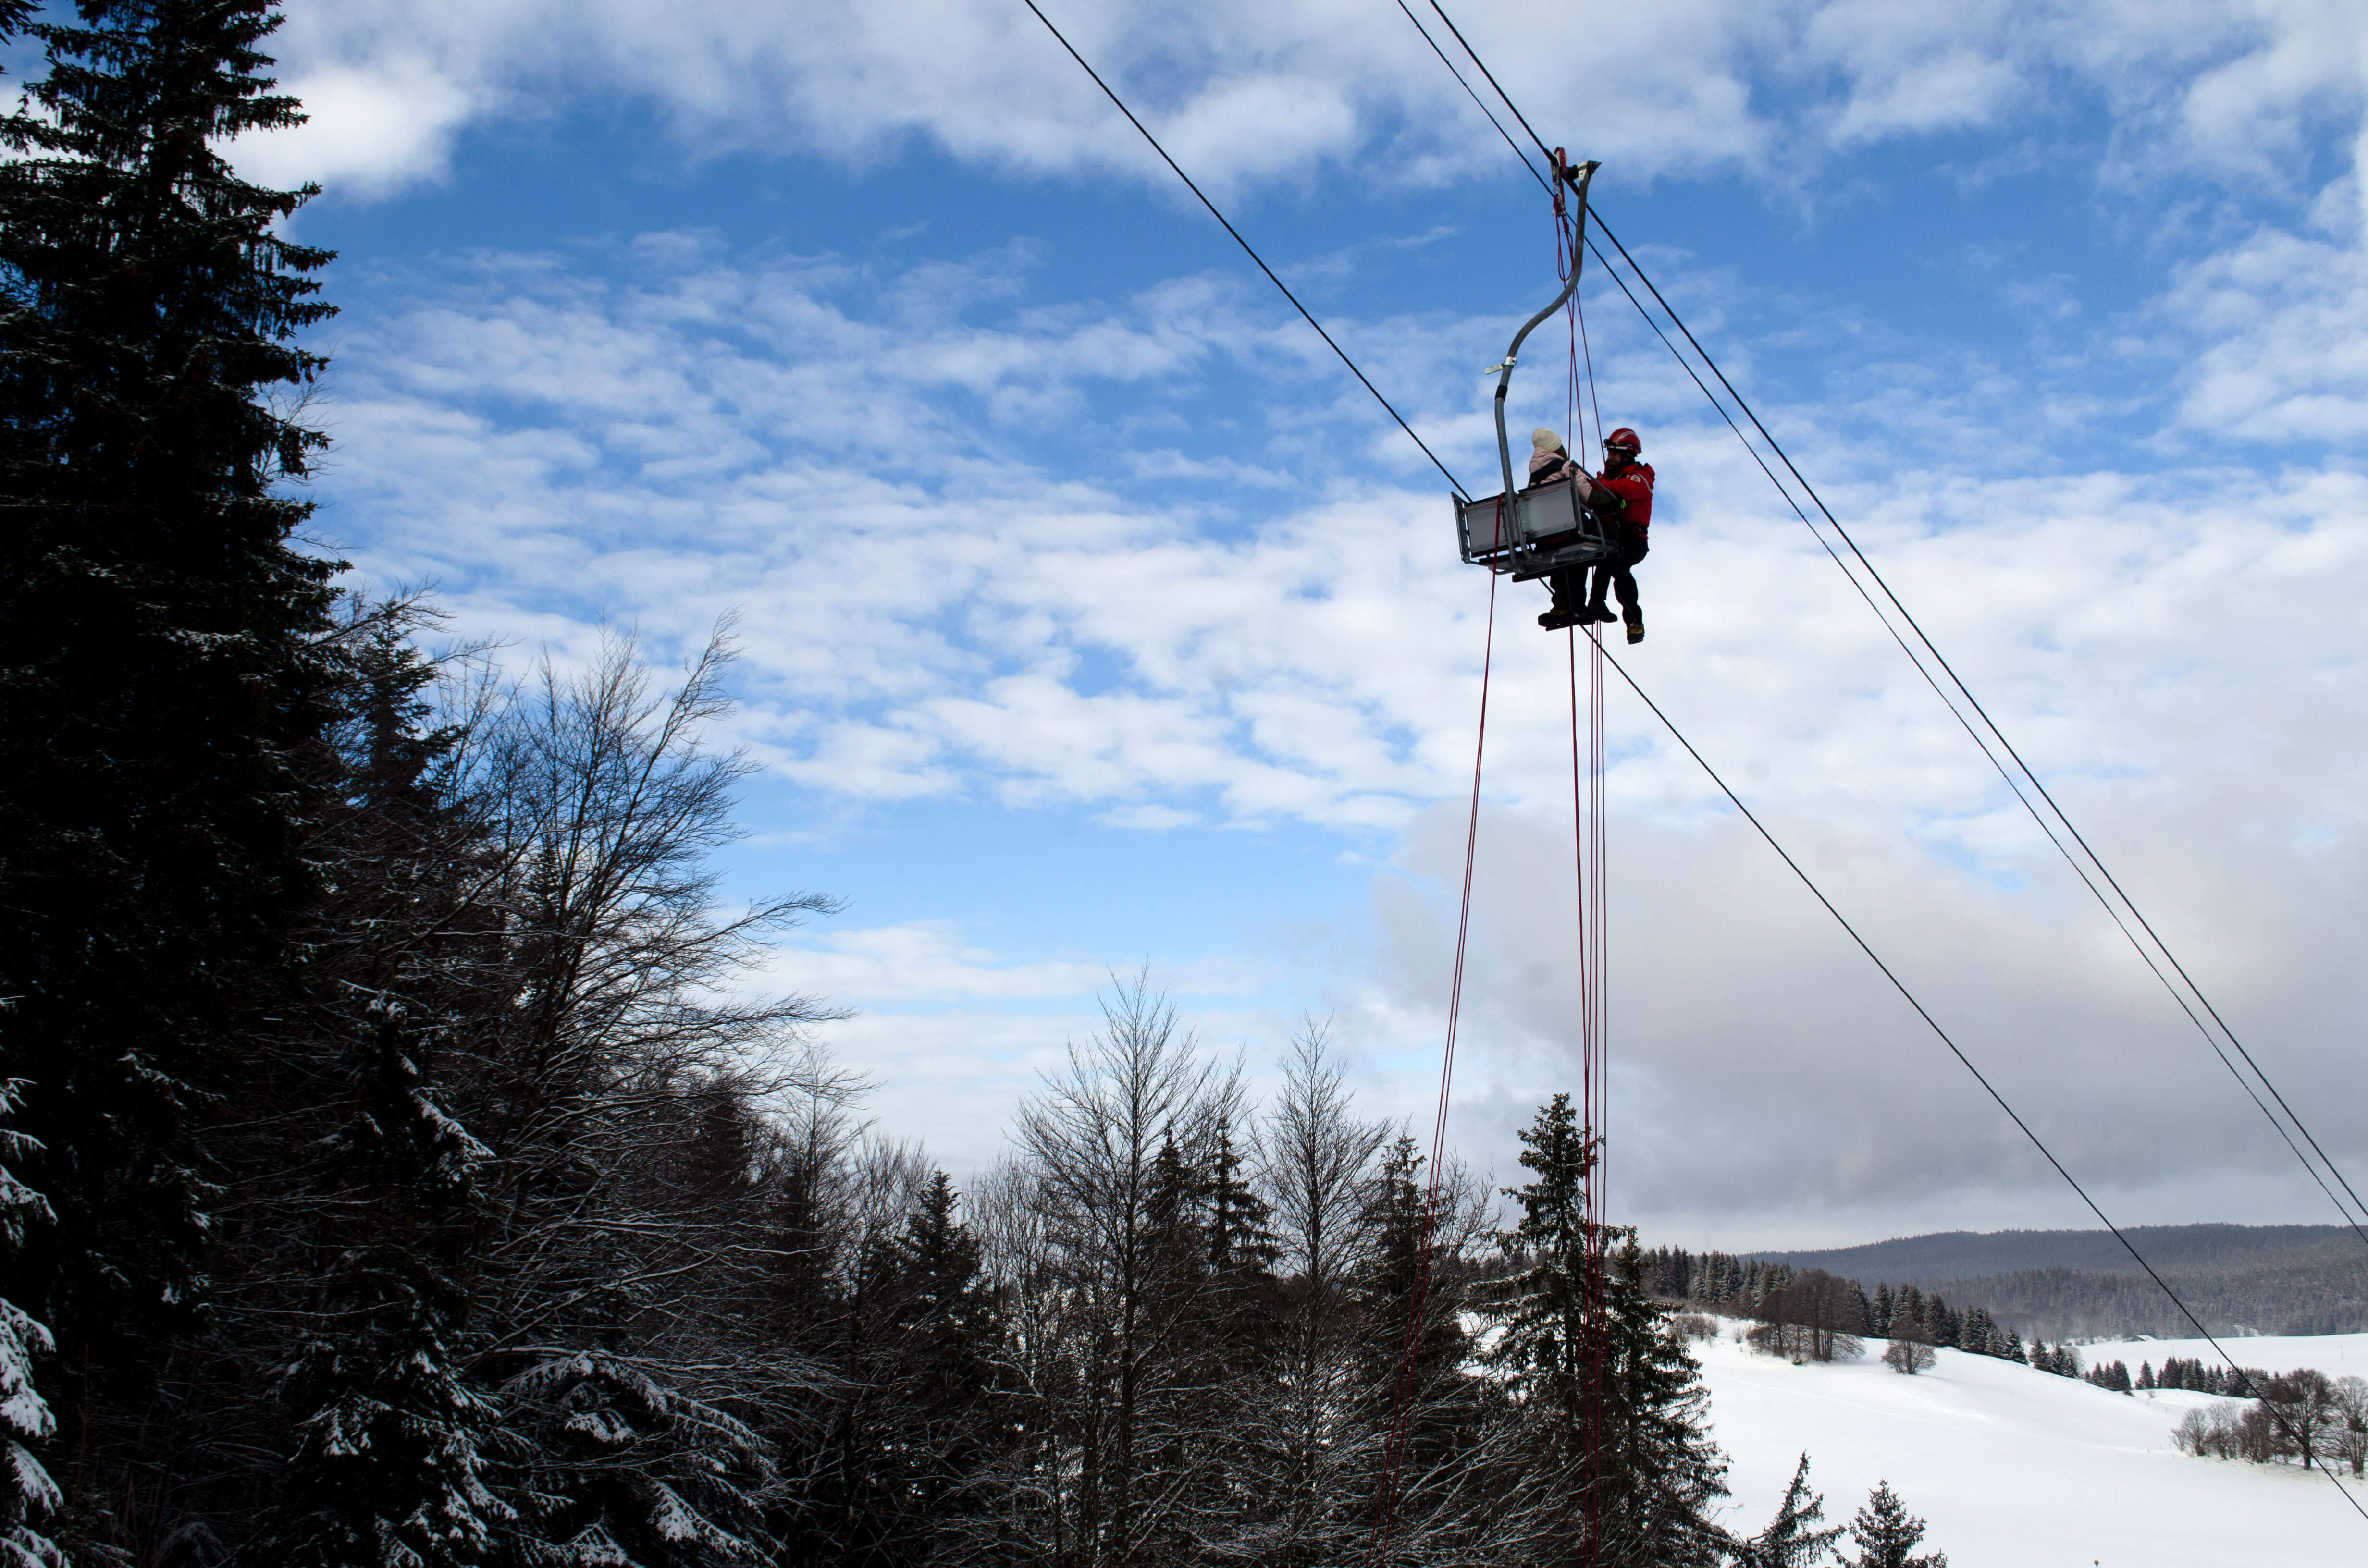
pixel 1622 496
pixel 1550 460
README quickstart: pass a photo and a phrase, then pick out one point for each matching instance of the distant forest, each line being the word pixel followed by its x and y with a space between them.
pixel 2083 1284
pixel 1780 1296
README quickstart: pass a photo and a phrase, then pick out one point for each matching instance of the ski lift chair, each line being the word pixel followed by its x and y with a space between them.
pixel 1529 533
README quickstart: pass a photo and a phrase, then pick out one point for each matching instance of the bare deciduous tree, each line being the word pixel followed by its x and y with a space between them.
pixel 1811 1317
pixel 1319 1175
pixel 1111 1142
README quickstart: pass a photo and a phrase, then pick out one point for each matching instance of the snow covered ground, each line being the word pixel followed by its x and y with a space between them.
pixel 2017 1469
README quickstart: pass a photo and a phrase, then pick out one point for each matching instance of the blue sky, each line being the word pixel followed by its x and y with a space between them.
pixel 1093 615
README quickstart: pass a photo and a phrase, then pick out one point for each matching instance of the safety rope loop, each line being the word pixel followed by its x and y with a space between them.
pixel 1590 1346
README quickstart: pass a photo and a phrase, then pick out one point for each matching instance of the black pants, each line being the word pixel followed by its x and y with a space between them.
pixel 1569 585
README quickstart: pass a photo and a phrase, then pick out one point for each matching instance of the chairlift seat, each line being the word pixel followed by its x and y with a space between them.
pixel 1544 529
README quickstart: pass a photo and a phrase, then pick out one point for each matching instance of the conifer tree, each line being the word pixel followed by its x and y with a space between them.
pixel 26 1490
pixel 1423 1364
pixel 1240 1232
pixel 1242 1251
pixel 945 1378
pixel 26 1493
pixel 390 1471
pixel 1792 1538
pixel 1665 1472
pixel 1941 1325
pixel 615 1466
pixel 160 651
pixel 1615 1399
pixel 1550 1307
pixel 1394 1216
pixel 1885 1533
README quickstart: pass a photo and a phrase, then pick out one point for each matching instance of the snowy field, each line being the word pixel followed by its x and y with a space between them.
pixel 2017 1469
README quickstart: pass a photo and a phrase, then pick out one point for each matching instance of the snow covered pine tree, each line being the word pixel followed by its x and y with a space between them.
pixel 1614 1401
pixel 1792 1539
pixel 1884 1533
pixel 160 662
pixel 26 1493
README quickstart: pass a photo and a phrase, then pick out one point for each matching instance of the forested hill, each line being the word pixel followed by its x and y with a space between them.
pixel 2265 1278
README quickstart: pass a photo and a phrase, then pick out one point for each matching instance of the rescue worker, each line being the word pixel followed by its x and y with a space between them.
pixel 1622 497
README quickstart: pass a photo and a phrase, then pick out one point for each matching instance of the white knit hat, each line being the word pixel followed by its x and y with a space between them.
pixel 1544 439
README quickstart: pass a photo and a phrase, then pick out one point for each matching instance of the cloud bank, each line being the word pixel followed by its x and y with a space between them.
pixel 946 602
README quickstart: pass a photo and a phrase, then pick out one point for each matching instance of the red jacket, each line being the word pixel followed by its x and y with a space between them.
pixel 1635 488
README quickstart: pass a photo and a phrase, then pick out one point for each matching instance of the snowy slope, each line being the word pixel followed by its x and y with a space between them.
pixel 2019 1468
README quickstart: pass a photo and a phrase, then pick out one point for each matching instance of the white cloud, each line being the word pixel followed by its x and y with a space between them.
pixel 1249 91
pixel 2285 316
pixel 922 960
pixel 370 129
pixel 626 448
pixel 2176 652
pixel 939 602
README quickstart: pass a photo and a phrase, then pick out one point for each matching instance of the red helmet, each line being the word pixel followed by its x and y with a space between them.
pixel 1624 437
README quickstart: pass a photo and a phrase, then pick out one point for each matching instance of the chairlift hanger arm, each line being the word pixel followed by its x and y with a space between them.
pixel 1584 175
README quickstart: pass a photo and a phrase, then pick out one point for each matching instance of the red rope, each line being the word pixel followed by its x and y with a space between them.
pixel 1578 314
pixel 1596 919
pixel 1587 843
pixel 1385 1504
pixel 1587 851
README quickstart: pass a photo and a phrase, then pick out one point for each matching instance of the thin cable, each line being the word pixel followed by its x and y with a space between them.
pixel 1475 97
pixel 1246 248
pixel 2003 773
pixel 1989 723
pixel 1483 64
pixel 1594 926
pixel 1934 1024
pixel 1566 258
pixel 1595 409
pixel 1954 679
pixel 1585 791
pixel 2037 785
pixel 1393 1454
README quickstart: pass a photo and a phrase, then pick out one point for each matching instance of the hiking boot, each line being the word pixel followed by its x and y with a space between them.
pixel 1555 619
pixel 1599 613
pixel 1635 619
